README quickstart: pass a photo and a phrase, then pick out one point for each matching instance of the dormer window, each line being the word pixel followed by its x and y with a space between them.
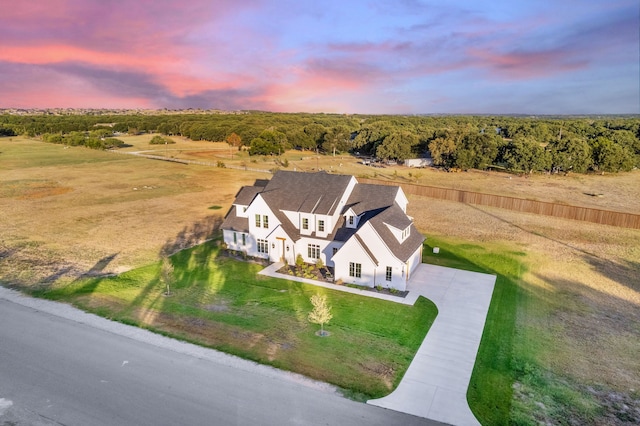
pixel 351 220
pixel 321 226
pixel 305 223
pixel 405 233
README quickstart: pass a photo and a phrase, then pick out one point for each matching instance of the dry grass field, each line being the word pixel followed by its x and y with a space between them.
pixel 73 211
pixel 66 209
pixel 617 192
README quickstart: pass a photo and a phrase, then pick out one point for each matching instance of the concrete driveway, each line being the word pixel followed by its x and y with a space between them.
pixel 435 385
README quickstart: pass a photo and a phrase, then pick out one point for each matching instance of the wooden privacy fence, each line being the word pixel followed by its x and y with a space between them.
pixel 605 217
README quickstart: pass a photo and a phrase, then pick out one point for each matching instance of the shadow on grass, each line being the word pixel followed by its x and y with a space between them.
pixel 524 327
pixel 192 235
pixel 187 284
pixel 222 303
pixel 577 355
pixel 624 272
pixel 92 277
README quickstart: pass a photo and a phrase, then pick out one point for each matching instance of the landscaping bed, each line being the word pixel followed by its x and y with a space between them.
pixel 325 274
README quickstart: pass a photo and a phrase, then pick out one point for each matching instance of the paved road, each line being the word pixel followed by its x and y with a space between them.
pixel 57 371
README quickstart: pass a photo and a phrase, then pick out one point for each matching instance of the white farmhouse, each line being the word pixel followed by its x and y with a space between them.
pixel 360 231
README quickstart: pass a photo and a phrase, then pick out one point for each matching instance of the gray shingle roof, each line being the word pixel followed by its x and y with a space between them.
pixel 245 196
pixel 367 197
pixel 317 193
pixel 366 249
pixel 404 250
pixel 287 226
pixel 234 223
pixel 320 193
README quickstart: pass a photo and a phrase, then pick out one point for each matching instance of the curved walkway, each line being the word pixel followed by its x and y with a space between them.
pixel 435 384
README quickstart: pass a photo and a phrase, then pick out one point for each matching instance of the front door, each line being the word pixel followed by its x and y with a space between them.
pixel 281 249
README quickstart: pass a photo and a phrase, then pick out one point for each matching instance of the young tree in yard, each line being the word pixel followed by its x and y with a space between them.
pixel 321 313
pixel 166 274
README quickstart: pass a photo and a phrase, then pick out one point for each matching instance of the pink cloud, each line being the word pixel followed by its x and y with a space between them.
pixel 525 65
pixel 43 88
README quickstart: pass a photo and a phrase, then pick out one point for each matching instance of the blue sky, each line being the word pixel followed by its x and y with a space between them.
pixel 397 57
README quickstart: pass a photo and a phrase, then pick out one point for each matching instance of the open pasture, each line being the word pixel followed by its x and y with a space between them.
pixel 562 337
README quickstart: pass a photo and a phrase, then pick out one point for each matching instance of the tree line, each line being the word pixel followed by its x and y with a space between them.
pixel 522 144
pixel 96 139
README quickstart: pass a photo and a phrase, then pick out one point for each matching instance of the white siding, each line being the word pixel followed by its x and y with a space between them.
pixel 241 211
pixel 352 252
pixel 385 258
pixel 236 243
pixel 350 214
pixel 329 252
pixel 414 261
pixel 294 217
pixel 328 225
pixel 260 207
pixel 302 248
pixel 402 200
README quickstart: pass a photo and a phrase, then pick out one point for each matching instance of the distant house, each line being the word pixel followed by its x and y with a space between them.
pixel 418 162
pixel 360 231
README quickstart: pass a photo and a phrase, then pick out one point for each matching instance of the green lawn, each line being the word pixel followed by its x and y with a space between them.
pixel 490 391
pixel 510 384
pixel 222 303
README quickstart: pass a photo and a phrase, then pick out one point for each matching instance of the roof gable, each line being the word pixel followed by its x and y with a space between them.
pixel 245 196
pixel 398 219
pixel 368 197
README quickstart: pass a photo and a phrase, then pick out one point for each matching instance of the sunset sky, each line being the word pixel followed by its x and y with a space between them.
pixel 346 56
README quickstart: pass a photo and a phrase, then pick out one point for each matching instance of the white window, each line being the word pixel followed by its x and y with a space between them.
pixel 257 221
pixel 313 251
pixel 305 223
pixel 355 269
pixel 351 220
pixel 235 238
pixel 389 273
pixel 405 233
pixel 263 246
pixel 265 221
pixel 244 239
pixel 321 226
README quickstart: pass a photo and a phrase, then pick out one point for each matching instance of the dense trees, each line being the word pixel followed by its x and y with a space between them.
pixel 397 146
pixel 477 151
pixel 521 144
pixel 336 139
pixel 611 157
pixel 570 154
pixel 525 154
pixel 268 143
